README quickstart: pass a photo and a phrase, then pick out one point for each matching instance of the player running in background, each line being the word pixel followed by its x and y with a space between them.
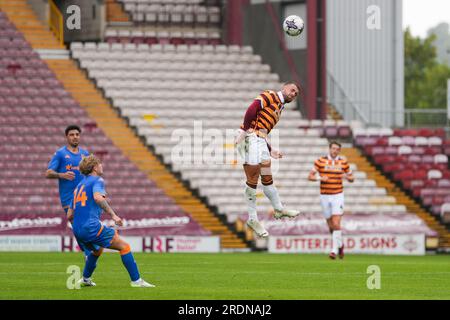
pixel 64 167
pixel 332 169
pixel 261 117
pixel 89 200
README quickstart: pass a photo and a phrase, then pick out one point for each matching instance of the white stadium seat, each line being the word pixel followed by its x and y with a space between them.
pixel 165 89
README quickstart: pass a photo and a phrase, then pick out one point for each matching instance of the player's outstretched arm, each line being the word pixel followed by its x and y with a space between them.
pixel 350 177
pixel 276 154
pixel 240 137
pixel 51 174
pixel 312 176
pixel 102 203
pixel 70 215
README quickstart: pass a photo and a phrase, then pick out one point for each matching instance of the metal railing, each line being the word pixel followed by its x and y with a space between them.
pixel 434 118
pixel 337 97
pixel 55 21
pixel 363 111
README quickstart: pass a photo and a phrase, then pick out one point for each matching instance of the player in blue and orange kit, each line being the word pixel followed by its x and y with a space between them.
pixel 89 200
pixel 64 167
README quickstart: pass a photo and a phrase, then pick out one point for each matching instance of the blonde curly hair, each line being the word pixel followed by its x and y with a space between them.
pixel 88 163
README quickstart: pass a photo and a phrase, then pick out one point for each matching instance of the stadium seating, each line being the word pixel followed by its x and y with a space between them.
pixel 417 159
pixel 168 92
pixel 189 36
pixel 174 21
pixel 35 108
pixel 173 12
pixel 331 129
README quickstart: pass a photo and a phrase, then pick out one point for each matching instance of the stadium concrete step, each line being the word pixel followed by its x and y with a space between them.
pixel 355 156
pixel 35 32
pixel 115 12
pixel 99 109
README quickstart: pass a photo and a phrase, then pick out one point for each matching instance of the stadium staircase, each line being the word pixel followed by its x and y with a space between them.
pixel 85 92
pixel 98 108
pixel 26 21
pixel 115 12
pixel 354 156
pixel 332 113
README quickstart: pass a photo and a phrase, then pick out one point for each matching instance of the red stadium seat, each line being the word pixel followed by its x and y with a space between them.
pixel 415 158
pixel 440 133
pixel 331 132
pixel 428 159
pixel 437 201
pixel 383 159
pixel 394 167
pixel 17 92
pixel 383 141
pixel 421 174
pixel 404 175
pixel 344 132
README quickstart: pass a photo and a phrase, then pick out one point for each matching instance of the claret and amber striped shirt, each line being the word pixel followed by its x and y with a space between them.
pixel 334 169
pixel 264 113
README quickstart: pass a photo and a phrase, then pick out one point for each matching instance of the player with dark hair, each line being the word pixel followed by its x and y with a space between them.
pixel 64 167
pixel 261 117
pixel 332 169
pixel 89 200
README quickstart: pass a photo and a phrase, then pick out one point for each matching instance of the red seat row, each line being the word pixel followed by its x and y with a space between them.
pixel 423 132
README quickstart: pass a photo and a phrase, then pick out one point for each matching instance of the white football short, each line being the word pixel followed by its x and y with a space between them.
pixel 254 150
pixel 332 204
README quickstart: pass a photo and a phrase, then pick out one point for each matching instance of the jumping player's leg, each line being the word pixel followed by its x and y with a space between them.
pixel 270 191
pixel 252 173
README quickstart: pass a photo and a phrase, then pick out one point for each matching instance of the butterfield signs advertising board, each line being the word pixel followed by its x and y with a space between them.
pixel 403 234
pixel 370 244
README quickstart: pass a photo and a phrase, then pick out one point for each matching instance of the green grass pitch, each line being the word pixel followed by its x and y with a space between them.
pixel 253 276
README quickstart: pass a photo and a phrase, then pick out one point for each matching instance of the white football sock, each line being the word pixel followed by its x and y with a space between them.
pixel 272 194
pixel 337 240
pixel 250 198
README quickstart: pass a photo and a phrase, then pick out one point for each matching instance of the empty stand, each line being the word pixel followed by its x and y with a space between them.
pixel 176 22
pixel 35 108
pixel 415 158
pixel 28 26
pixel 162 88
pixel 174 12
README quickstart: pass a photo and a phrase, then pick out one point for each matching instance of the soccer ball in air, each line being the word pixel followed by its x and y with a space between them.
pixel 293 25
